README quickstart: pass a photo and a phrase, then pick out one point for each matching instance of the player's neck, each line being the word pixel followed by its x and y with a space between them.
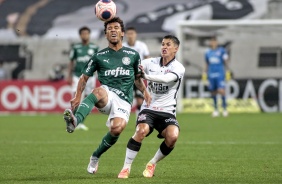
pixel 85 42
pixel 131 43
pixel 166 60
pixel 115 47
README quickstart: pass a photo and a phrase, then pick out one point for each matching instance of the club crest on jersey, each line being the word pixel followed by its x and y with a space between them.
pixel 126 60
pixel 142 117
pixel 90 51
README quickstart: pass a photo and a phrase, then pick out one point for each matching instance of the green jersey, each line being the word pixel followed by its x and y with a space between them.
pixel 80 54
pixel 115 69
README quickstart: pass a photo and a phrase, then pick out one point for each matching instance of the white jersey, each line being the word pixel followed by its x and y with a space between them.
pixel 164 95
pixel 140 47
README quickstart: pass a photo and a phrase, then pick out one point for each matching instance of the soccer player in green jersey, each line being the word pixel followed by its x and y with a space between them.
pixel 79 56
pixel 117 69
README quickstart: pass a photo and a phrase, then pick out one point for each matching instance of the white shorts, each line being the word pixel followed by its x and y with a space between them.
pixel 90 85
pixel 115 107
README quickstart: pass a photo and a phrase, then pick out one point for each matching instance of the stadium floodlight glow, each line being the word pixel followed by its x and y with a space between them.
pixel 183 25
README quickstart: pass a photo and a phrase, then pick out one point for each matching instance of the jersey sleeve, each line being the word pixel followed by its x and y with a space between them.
pixel 137 63
pixel 224 54
pixel 206 57
pixel 179 71
pixel 72 54
pixel 90 67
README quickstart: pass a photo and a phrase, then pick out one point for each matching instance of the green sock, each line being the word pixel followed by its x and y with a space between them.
pixel 85 107
pixel 107 141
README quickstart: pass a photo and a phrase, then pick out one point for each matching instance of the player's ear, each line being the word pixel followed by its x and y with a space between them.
pixel 122 34
pixel 176 48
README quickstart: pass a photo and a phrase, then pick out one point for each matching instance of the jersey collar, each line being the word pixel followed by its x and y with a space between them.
pixel 161 61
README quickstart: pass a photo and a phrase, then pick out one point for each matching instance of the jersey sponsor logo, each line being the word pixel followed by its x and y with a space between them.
pixel 171 120
pixel 118 92
pixel 142 117
pixel 167 71
pixel 214 60
pixel 122 110
pixel 116 72
pixel 158 88
pixel 102 53
pixel 89 65
pixel 83 59
pixel 126 60
pixel 129 52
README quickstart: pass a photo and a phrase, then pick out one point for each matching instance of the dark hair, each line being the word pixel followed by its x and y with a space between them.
pixel 173 38
pixel 213 37
pixel 84 28
pixel 115 19
pixel 130 29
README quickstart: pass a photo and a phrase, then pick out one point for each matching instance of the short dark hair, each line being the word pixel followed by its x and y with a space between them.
pixel 173 38
pixel 130 29
pixel 214 37
pixel 115 19
pixel 84 28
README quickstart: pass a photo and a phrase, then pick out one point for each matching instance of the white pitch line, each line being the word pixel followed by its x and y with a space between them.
pixel 151 142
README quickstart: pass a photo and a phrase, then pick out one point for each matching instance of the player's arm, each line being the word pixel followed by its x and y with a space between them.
pixel 226 66
pixel 169 77
pixel 79 90
pixel 205 69
pixel 141 86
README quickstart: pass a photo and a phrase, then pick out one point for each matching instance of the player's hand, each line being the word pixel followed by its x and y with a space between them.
pixel 147 97
pixel 204 77
pixel 227 75
pixel 74 103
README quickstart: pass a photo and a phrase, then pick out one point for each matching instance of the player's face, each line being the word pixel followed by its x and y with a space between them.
pixel 131 35
pixel 114 33
pixel 213 43
pixel 168 48
pixel 85 36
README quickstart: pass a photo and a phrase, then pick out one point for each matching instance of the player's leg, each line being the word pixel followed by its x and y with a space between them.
pixel 170 131
pixel 134 144
pixel 118 111
pixel 111 137
pixel 212 88
pixel 88 90
pixel 98 98
pixel 221 91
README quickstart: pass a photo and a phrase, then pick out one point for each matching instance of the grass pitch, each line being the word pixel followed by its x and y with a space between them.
pixel 243 148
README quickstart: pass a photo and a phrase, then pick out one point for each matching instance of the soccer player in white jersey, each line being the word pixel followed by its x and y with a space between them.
pixel 164 75
pixel 142 49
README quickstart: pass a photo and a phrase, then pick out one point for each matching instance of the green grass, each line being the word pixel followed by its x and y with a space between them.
pixel 243 148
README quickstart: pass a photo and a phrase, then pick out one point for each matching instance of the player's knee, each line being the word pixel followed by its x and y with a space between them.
pixel 116 131
pixel 171 138
pixel 99 92
pixel 116 128
pixel 141 131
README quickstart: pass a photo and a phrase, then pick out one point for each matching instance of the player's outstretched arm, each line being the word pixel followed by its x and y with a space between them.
pixel 80 88
pixel 158 78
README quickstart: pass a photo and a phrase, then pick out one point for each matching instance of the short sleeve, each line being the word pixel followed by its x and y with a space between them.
pixel 72 54
pixel 90 67
pixel 137 63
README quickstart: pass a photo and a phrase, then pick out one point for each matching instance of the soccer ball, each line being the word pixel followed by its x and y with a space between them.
pixel 105 10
